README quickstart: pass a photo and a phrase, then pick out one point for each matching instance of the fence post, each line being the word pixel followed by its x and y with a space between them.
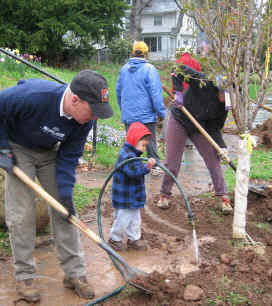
pixel 98 56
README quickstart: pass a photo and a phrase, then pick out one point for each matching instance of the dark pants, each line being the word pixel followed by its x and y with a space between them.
pixel 152 150
pixel 175 143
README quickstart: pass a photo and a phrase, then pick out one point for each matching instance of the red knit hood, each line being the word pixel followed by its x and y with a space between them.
pixel 135 132
pixel 188 60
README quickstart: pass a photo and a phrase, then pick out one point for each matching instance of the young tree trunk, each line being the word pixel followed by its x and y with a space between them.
pixel 135 30
pixel 241 190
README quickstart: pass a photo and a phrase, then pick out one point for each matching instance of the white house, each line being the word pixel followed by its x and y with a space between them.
pixel 164 29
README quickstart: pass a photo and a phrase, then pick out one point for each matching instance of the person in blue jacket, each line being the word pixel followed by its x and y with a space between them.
pixel 43 129
pixel 128 190
pixel 139 95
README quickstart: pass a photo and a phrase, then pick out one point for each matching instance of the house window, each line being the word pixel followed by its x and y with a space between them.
pixel 157 20
pixel 154 43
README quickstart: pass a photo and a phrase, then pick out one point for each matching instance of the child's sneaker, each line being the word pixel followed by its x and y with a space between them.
pixel 156 171
pixel 224 205
pixel 139 245
pixel 117 245
pixel 163 202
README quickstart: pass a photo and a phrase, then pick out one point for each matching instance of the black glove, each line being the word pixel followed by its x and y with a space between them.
pixel 7 160
pixel 69 205
pixel 177 80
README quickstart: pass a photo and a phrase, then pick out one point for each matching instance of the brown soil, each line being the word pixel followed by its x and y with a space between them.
pixel 264 132
pixel 230 272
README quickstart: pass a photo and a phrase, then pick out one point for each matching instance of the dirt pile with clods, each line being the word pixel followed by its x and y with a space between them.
pixel 230 271
pixel 264 133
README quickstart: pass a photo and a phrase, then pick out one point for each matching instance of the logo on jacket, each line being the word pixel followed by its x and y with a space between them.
pixel 54 132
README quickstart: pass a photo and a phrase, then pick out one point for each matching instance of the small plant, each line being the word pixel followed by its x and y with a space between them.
pixel 226 296
pixel 234 298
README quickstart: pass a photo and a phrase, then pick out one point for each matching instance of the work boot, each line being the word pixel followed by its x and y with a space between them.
pixel 117 245
pixel 224 205
pixel 27 290
pixel 80 285
pixel 139 245
pixel 163 202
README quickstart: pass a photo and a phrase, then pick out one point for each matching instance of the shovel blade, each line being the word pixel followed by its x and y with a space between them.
pixel 137 286
pixel 135 277
pixel 258 189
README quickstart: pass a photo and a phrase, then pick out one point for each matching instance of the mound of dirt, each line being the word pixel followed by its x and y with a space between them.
pixel 264 133
pixel 230 272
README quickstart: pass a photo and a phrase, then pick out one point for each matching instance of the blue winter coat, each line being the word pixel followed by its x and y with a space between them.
pixel 139 92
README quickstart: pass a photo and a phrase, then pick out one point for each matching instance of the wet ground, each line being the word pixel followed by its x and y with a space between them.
pixel 168 233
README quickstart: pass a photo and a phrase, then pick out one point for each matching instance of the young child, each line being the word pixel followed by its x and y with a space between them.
pixel 128 190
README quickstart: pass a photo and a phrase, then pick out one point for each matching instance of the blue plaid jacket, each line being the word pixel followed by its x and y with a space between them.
pixel 128 188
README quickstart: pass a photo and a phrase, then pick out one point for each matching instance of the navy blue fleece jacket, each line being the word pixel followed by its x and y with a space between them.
pixel 30 116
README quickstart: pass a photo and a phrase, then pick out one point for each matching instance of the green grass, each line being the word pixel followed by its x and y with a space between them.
pixel 264 226
pixel 84 196
pixel 4 242
pixel 106 155
pixel 261 168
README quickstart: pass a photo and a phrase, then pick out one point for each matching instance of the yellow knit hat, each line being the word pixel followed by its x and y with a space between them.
pixel 141 47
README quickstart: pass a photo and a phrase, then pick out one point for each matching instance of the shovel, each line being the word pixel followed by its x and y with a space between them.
pixel 128 273
pixel 257 189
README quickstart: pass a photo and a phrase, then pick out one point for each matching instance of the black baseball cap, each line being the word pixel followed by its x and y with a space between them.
pixel 92 87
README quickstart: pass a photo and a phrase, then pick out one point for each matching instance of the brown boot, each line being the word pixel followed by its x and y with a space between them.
pixel 117 245
pixel 80 285
pixel 139 245
pixel 27 290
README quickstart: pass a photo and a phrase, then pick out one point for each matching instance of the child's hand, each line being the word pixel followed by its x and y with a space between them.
pixel 151 162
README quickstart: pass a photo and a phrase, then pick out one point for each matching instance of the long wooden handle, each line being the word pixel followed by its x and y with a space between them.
pixel 55 204
pixel 201 130
pixel 267 108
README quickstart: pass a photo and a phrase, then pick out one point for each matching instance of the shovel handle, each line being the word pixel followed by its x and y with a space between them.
pixel 200 128
pixel 55 204
pixel 267 108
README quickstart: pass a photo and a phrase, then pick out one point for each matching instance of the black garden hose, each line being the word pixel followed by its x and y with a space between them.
pixel 188 207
